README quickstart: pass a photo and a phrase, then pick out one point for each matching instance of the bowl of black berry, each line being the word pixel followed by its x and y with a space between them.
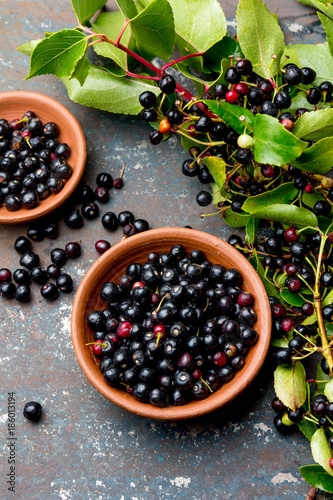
pixel 42 156
pixel 171 324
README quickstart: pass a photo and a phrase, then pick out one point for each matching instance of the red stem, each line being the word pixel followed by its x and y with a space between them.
pixel 143 61
pixel 272 82
pixel 134 75
pixel 121 32
pixel 171 63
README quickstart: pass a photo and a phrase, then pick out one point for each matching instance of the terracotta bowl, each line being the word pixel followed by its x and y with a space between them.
pixel 14 105
pixel 112 265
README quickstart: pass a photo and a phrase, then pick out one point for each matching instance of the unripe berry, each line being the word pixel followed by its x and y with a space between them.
pixel 165 126
pixel 288 124
pixel 245 141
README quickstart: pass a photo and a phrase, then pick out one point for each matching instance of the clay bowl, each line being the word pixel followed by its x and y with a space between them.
pixel 14 105
pixel 112 265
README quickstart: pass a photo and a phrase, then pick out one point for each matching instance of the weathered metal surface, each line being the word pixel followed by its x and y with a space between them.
pixel 85 447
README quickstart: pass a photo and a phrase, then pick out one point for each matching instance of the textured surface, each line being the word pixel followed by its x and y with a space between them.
pixel 85 447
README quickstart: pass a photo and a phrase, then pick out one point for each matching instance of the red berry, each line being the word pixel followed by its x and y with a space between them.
pixel 309 189
pixel 245 299
pixel 241 88
pixel 331 463
pixel 307 309
pixel 159 331
pixel 26 134
pixel 278 311
pixel 154 299
pixel 191 130
pixel 53 156
pixel 220 359
pixel 294 285
pixel 5 274
pixel 102 194
pixel 197 374
pixel 288 324
pixel 267 171
pixel 118 183
pixel 124 329
pixel 138 284
pixel 102 246
pixel 97 348
pixel 231 96
pixel 291 235
pixel 290 269
pixel 15 125
pixel 287 124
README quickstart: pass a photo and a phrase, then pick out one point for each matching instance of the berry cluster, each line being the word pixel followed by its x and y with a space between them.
pixel 245 177
pixel 33 162
pixel 175 328
pixel 32 272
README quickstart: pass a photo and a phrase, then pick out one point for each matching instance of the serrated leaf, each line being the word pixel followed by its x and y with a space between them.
pixel 282 194
pixel 154 31
pixel 110 24
pixel 58 54
pixel 104 91
pixel 251 230
pixel 235 220
pixel 317 477
pixel 290 384
pixel 230 114
pixel 292 298
pixel 81 70
pixel 270 288
pixel 128 8
pixel 315 125
pixel 216 166
pixel 328 300
pixel 27 48
pixel 328 27
pixel 288 214
pixel 328 391
pixel 317 159
pixel 317 57
pixel 198 25
pixel 224 48
pixel 85 9
pixel 260 36
pixel 273 144
pixel 321 451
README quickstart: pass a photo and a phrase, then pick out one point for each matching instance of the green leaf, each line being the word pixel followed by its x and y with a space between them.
pixel 292 56
pixel 323 5
pixel 328 27
pixel 320 375
pixel 251 229
pixel 321 451
pixel 198 25
pixel 279 343
pixel 285 193
pixel 235 220
pixel 328 391
pixel 328 300
pixel 27 48
pixel 141 4
pixel 270 288
pixel 110 24
pixel 308 428
pixel 325 224
pixel 329 329
pixel 230 114
pixel 316 476
pixel 102 90
pixel 310 199
pixel 128 8
pixel 81 70
pixel 216 166
pixel 85 9
pixel 224 65
pixel 317 159
pixel 216 193
pixel 221 50
pixel 58 54
pixel 292 298
pixel 290 384
pixel 315 125
pixel 154 31
pixel 288 214
pixel 317 57
pixel 260 36
pixel 310 320
pixel 274 144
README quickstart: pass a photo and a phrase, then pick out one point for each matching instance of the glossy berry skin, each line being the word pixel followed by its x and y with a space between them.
pixel 204 198
pixel 308 75
pixel 203 125
pixel 278 406
pixel 104 180
pixel 283 356
pixel 155 137
pixel 149 115
pixel 282 100
pixel 22 293
pixel 29 260
pixel 90 211
pixel 292 75
pixel 7 290
pixel 110 221
pixel 231 96
pixel 73 250
pixel 220 90
pixel 255 96
pixel 232 75
pixel 102 194
pixel 291 235
pixel 49 291
pixel 244 156
pixel 294 285
pixel 74 219
pixel 313 95
pixel 167 84
pixel 102 246
pixel 269 108
pixel 65 283
pixel 59 256
pixel 32 411
pixel 190 168
pixel 322 207
pixel 281 427
pixel 22 245
pixel 39 275
pixel 147 99
pixel 165 126
pixel 5 275
pixel 21 277
pixel 244 67
pixel 174 116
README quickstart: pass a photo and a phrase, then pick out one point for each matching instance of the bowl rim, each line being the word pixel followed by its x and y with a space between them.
pixel 24 215
pixel 194 408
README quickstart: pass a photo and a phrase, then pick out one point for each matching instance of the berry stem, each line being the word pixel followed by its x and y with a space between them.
pixel 126 23
pixel 171 63
pixel 312 495
pixel 142 77
pixel 208 144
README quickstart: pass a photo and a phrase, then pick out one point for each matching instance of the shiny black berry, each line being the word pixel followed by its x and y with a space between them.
pixel 167 84
pixel 32 411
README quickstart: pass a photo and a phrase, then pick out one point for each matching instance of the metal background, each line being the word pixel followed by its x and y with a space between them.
pixel 85 447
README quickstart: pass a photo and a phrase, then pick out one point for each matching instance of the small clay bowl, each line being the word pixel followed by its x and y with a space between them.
pixel 112 265
pixel 14 105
